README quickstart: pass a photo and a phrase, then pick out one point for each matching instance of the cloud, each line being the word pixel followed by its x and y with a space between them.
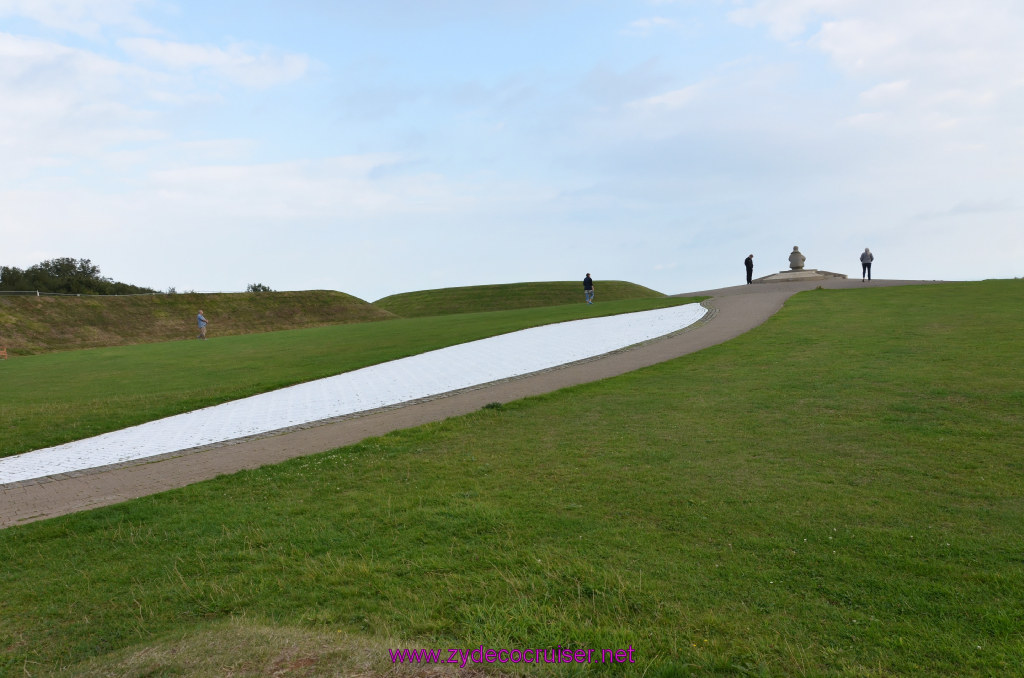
pixel 787 19
pixel 670 101
pixel 945 40
pixel 344 222
pixel 649 25
pixel 943 72
pixel 357 186
pixel 72 108
pixel 81 17
pixel 972 209
pixel 242 64
pixel 61 102
pixel 612 87
pixel 884 92
pixel 866 120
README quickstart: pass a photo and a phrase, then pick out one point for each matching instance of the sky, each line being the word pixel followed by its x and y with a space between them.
pixel 398 145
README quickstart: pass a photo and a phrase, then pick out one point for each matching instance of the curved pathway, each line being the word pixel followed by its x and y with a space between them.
pixel 389 384
pixel 734 310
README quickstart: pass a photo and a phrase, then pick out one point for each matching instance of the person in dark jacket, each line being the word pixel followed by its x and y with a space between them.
pixel 749 263
pixel 588 289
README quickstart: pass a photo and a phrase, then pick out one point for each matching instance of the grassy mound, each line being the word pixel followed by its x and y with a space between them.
pixel 505 297
pixel 31 325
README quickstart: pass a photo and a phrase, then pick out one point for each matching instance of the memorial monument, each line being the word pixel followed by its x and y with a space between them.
pixel 796 260
pixel 797 272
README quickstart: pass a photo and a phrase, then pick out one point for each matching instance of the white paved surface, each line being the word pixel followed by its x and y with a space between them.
pixel 392 383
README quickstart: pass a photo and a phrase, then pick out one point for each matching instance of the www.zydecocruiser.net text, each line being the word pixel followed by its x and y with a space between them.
pixel 481 655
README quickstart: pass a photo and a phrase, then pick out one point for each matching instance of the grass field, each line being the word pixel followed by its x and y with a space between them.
pixel 50 399
pixel 839 492
pixel 503 297
pixel 30 325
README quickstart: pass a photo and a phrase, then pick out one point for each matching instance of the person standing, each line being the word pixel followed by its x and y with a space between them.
pixel 588 289
pixel 201 320
pixel 749 263
pixel 865 264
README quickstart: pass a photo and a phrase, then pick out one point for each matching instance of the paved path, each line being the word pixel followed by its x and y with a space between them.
pixel 389 384
pixel 735 311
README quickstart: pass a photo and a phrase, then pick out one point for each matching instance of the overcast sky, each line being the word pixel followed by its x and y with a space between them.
pixel 397 145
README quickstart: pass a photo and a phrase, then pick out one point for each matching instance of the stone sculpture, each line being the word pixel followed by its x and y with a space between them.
pixel 796 260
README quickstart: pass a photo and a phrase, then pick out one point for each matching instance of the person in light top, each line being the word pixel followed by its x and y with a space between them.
pixel 865 264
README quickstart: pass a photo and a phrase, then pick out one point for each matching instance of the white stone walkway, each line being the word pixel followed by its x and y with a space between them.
pixel 392 383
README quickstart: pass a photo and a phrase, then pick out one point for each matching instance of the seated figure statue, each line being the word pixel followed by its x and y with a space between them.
pixel 796 260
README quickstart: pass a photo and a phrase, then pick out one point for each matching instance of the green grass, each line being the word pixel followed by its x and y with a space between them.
pixel 839 492
pixel 51 399
pixel 31 325
pixel 508 296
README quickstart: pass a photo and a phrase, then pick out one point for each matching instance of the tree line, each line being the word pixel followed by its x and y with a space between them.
pixel 65 276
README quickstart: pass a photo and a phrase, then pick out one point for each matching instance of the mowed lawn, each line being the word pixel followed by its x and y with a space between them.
pixel 51 399
pixel 839 492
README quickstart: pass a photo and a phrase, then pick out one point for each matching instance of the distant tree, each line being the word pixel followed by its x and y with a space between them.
pixel 258 287
pixel 64 275
pixel 12 278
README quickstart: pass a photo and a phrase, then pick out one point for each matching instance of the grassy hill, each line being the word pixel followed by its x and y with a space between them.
pixel 835 493
pixel 31 325
pixel 507 296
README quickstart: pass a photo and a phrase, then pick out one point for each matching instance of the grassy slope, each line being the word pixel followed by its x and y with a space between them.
pixel 54 398
pixel 500 297
pixel 31 325
pixel 837 492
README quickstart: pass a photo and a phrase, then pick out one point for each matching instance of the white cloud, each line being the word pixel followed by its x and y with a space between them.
pixel 866 120
pixel 971 209
pixel 61 102
pixel 669 101
pixel 884 92
pixel 945 40
pixel 945 72
pixel 341 187
pixel 74 108
pixel 348 222
pixel 650 24
pixel 239 63
pixel 787 19
pixel 81 17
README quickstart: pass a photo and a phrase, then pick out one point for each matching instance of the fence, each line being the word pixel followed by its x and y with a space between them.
pixel 37 293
